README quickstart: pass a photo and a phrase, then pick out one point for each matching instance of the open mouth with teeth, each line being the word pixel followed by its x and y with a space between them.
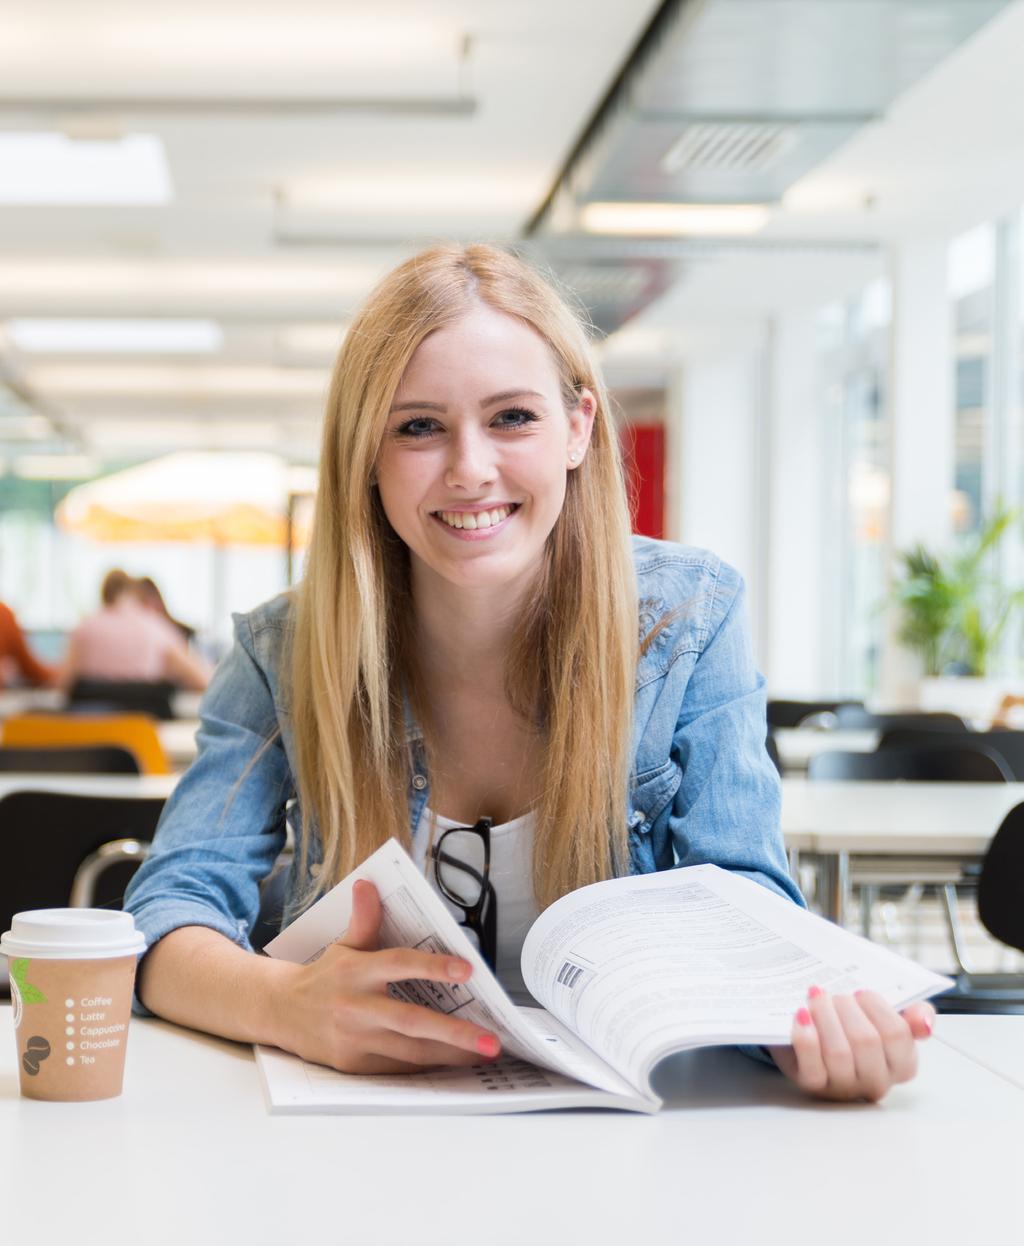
pixel 474 520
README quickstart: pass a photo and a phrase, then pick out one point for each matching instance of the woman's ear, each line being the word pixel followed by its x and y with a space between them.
pixel 581 425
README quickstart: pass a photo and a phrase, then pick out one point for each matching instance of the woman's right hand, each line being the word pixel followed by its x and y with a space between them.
pixel 337 1010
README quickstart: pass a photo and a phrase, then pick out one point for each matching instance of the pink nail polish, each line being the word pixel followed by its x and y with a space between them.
pixel 928 1027
pixel 814 991
pixel 487 1045
pixel 803 1017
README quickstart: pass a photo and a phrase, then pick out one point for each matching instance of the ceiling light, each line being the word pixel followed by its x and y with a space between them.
pixel 50 168
pixel 116 336
pixel 670 219
pixel 57 466
pixel 136 380
pixel 311 339
pixel 188 287
pixel 391 194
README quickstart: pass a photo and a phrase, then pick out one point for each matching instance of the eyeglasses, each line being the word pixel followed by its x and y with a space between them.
pixel 462 865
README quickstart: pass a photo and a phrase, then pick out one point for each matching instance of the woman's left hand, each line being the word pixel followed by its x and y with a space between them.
pixel 853 1046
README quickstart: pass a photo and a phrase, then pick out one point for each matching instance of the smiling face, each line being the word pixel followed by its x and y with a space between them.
pixel 472 467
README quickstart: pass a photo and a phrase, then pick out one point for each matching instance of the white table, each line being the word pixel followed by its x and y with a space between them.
pixel 29 700
pixel 996 1043
pixel 91 784
pixel 189 1154
pixel 797 745
pixel 834 821
pixel 178 739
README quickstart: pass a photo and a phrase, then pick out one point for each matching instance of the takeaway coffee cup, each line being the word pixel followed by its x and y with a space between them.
pixel 72 975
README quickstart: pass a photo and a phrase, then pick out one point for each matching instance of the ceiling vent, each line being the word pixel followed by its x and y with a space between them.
pixel 728 148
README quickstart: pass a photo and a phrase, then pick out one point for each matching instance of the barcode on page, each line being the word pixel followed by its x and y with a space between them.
pixel 570 974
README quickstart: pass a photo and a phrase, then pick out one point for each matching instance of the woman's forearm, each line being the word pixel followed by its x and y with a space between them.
pixel 197 977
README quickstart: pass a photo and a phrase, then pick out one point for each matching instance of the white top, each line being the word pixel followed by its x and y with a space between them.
pixel 511 877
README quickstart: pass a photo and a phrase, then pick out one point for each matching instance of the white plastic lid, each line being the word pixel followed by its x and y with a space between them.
pixel 72 934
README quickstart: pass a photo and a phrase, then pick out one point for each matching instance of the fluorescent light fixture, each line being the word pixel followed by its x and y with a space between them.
pixel 311 339
pixel 393 194
pixel 200 381
pixel 57 466
pixel 50 168
pixel 84 337
pixel 671 219
pixel 25 428
pixel 32 286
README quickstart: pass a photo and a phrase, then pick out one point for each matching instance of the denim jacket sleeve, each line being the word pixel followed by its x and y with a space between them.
pixel 224 825
pixel 727 807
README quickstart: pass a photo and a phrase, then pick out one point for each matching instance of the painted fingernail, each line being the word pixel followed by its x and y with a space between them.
pixel 927 1026
pixel 488 1045
pixel 814 991
pixel 457 969
pixel 803 1017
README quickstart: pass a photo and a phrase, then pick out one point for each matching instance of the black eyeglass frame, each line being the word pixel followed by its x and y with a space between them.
pixel 482 917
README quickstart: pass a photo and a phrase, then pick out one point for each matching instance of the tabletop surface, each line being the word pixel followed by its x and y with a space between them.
pixel 190 1154
pixel 91 784
pixel 896 816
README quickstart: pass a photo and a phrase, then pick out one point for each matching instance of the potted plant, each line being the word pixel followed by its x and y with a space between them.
pixel 954 610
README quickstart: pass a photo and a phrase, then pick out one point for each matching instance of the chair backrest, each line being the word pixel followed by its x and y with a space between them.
pixel 857 718
pixel 45 837
pixel 1001 882
pixel 773 751
pixel 80 759
pixel 1009 745
pixel 793 713
pixel 132 695
pixel 135 732
pixel 935 764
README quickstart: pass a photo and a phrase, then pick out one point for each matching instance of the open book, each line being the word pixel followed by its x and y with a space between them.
pixel 626 972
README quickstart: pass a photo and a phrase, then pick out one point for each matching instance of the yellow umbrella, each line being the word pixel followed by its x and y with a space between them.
pixel 223 498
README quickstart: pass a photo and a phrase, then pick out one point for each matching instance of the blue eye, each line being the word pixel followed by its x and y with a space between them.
pixel 418 428
pixel 515 417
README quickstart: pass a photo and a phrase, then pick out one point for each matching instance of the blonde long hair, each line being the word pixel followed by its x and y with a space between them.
pixel 571 668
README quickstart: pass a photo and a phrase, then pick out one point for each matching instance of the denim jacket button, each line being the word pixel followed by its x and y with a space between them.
pixel 636 817
pixel 419 782
pixel 314 869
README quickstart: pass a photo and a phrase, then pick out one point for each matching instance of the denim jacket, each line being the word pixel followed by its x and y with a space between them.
pixel 703 787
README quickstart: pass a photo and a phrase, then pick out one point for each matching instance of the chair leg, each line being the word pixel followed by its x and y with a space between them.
pixel 956 934
pixel 868 896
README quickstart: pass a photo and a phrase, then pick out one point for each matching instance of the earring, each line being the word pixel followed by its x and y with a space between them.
pixel 573 457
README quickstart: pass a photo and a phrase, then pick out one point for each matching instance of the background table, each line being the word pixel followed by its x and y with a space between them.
pixel 836 820
pixel 91 784
pixel 797 745
pixel 190 1154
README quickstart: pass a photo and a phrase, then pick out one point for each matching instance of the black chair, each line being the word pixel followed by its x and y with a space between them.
pixel 1001 912
pixel 62 848
pixel 857 718
pixel 85 759
pixel 793 713
pixel 128 695
pixel 957 763
pixel 773 751
pixel 1009 745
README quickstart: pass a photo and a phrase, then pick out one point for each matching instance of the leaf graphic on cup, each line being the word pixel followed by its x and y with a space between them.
pixel 37 1049
pixel 29 994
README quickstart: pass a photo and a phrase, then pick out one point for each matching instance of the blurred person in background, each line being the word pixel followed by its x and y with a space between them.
pixel 153 599
pixel 126 640
pixel 16 657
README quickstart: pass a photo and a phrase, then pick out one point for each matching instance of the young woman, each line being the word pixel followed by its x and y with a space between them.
pixel 476 636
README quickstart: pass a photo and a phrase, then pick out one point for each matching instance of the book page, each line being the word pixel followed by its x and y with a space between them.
pixel 640 967
pixel 508 1085
pixel 415 917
